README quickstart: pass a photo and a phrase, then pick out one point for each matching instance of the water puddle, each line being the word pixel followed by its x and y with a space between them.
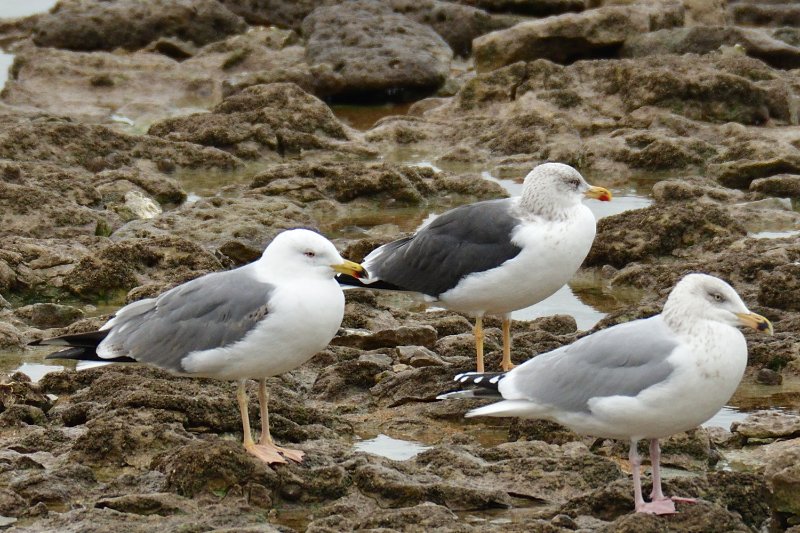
pixel 6 60
pixel 391 448
pixel 773 234
pixel 13 9
pixel 364 117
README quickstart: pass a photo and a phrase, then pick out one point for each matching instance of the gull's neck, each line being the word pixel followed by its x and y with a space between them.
pixel 537 201
pixel 531 205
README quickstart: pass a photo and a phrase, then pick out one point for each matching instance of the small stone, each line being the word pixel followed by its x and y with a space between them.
pixel 767 376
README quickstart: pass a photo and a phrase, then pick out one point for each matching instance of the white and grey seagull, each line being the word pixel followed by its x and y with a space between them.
pixel 645 379
pixel 257 321
pixel 496 256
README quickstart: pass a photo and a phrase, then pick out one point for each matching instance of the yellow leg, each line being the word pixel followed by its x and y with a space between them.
pixel 266 453
pixel 506 364
pixel 266 438
pixel 263 401
pixel 479 343
pixel 241 398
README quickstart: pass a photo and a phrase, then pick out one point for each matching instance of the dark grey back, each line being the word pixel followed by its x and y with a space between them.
pixel 467 239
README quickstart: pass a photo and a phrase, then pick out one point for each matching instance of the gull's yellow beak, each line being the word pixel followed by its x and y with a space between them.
pixel 757 322
pixel 351 269
pixel 598 193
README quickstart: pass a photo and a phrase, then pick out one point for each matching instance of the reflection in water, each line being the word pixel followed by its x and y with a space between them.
pixel 396 449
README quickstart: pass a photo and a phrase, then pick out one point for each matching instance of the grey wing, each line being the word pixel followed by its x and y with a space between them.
pixel 209 312
pixel 619 361
pixel 467 239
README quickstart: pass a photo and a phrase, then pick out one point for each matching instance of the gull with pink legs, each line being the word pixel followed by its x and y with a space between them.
pixel 645 379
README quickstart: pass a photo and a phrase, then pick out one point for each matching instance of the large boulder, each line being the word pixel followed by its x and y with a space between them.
pixel 705 39
pixel 98 25
pixel 369 51
pixel 766 13
pixel 660 230
pixel 277 118
pixel 567 38
pixel 457 24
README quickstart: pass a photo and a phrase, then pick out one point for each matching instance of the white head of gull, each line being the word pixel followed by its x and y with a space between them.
pixel 645 379
pixel 256 321
pixel 496 256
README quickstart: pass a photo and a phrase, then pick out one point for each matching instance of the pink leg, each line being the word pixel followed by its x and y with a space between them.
pixel 655 507
pixel 655 461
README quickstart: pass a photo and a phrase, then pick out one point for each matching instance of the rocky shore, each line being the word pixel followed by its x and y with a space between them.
pixel 143 144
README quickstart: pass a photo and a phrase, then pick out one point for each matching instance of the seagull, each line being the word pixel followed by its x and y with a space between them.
pixel 496 256
pixel 256 321
pixel 645 379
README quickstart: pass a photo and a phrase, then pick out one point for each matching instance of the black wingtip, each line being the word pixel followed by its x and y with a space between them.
pixel 485 380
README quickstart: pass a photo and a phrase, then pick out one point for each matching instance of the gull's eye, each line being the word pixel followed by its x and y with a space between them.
pixel 309 253
pixel 717 297
pixel 574 183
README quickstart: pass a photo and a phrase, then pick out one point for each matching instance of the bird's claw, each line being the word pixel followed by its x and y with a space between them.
pixel 265 452
pixel 658 507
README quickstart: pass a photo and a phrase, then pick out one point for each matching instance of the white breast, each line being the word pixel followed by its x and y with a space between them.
pixel 709 367
pixel 303 318
pixel 552 251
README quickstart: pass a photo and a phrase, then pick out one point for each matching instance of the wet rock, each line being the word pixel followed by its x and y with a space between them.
pixel 346 182
pixel 162 504
pixel 22 415
pixel 782 475
pixel 17 391
pixel 418 356
pixel 767 425
pixel 660 230
pixel 767 376
pixel 535 8
pixel 61 485
pixel 314 484
pixel 124 265
pixel 364 49
pixel 282 13
pixel 457 24
pixel 392 488
pixel 279 118
pixel 758 14
pixel 780 185
pixel 743 172
pixel 543 430
pixel 95 25
pixel 707 39
pixel 346 378
pixel 164 189
pixel 388 338
pixel 780 288
pixel 701 516
pixel 96 148
pixel 656 150
pixel 237 228
pixel 121 438
pixel 211 465
pixel 680 190
pixel 49 315
pixel 414 385
pixel 11 503
pixel 567 38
